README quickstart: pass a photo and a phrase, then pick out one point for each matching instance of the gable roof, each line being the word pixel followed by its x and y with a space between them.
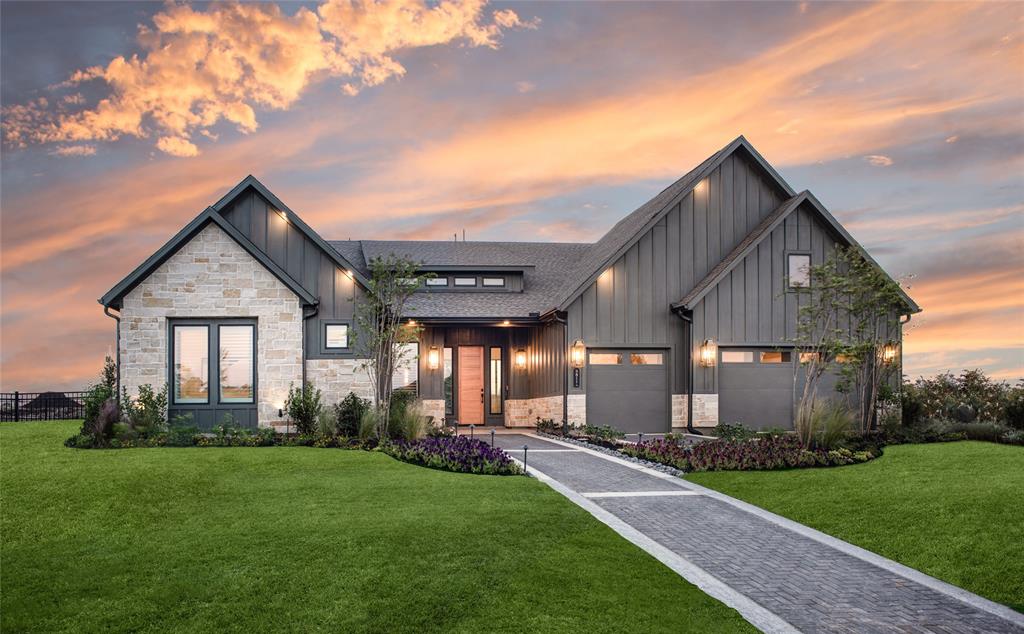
pixel 764 229
pixel 543 265
pixel 114 296
pixel 294 219
pixel 630 229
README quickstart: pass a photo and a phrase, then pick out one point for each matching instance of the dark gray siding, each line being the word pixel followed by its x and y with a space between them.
pixel 302 259
pixel 628 305
pixel 542 343
pixel 751 305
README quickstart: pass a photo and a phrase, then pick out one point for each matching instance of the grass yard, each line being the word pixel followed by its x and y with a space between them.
pixel 952 510
pixel 301 539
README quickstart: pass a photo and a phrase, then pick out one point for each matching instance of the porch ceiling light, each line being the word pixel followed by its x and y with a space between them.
pixel 578 353
pixel 520 359
pixel 433 358
pixel 506 323
pixel 708 353
pixel 890 352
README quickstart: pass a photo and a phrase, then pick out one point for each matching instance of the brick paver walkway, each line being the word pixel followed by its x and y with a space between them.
pixel 811 585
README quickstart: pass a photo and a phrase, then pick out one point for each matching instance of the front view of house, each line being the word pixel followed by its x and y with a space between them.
pixel 681 315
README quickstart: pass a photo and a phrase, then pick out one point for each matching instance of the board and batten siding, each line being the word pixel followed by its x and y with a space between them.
pixel 752 305
pixel 302 259
pixel 628 305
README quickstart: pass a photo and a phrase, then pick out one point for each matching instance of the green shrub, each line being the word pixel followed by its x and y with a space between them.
pixel 368 424
pixel 1014 410
pixel 327 424
pixel 349 414
pixel 734 431
pixel 147 414
pixel 548 426
pixel 1013 437
pixel 989 432
pixel 304 405
pixel 409 423
pixel 606 433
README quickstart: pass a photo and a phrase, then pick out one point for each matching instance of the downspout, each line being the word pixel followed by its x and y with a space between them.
pixel 565 369
pixel 117 352
pixel 688 318
pixel 305 318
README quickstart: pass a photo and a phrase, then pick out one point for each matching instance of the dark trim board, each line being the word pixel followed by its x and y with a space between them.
pixel 114 296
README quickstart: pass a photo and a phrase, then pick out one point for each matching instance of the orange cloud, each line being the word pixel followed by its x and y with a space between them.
pixel 201 67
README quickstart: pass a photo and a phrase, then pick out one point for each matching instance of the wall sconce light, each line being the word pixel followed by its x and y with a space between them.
pixel 889 352
pixel 412 323
pixel 283 215
pixel 708 353
pixel 578 353
pixel 520 359
pixel 433 358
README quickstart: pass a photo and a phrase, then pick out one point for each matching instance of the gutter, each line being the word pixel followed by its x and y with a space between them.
pixel 117 352
pixel 305 318
pixel 561 319
pixel 687 316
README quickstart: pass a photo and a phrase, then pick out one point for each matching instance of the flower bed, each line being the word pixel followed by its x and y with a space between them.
pixel 454 453
pixel 771 452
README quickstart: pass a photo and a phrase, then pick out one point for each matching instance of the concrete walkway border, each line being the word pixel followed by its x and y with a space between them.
pixel 907 572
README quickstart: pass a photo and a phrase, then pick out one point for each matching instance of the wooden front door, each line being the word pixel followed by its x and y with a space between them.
pixel 471 385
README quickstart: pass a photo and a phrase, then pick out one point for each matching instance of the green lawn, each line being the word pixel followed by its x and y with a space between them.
pixel 301 539
pixel 952 510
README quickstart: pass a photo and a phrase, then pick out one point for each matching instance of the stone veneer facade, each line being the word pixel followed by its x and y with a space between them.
pixel 335 378
pixel 211 277
pixel 705 410
pixel 525 412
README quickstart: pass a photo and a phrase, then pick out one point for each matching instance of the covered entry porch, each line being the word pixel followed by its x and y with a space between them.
pixel 492 373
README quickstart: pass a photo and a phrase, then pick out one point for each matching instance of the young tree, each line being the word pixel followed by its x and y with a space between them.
pixel 851 311
pixel 380 333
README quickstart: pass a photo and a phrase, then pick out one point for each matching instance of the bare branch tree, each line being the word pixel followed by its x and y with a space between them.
pixel 380 333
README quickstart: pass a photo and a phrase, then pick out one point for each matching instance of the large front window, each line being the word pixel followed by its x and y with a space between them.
pixel 191 364
pixel 236 364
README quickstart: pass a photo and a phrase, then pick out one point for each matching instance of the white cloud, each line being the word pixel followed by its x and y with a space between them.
pixel 878 160
pixel 222 63
pixel 74 150
pixel 525 86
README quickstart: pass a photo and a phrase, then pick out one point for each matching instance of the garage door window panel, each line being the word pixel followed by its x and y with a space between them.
pixel 605 358
pixel 737 356
pixel 646 358
pixel 777 356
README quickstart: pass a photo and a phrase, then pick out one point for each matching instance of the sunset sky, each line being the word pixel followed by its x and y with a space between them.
pixel 122 121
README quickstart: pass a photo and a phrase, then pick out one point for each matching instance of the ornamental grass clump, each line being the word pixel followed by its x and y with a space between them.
pixel 454 453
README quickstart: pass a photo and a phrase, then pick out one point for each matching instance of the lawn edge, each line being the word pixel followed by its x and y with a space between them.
pixel 750 610
pixel 977 601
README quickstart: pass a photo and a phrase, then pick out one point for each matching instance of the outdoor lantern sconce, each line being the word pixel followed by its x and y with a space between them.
pixel 433 358
pixel 520 359
pixel 708 353
pixel 889 352
pixel 578 354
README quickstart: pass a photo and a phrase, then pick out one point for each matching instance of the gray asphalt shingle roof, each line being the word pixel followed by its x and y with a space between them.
pixel 544 265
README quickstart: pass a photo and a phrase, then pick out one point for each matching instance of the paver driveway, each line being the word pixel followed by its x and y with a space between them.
pixel 780 575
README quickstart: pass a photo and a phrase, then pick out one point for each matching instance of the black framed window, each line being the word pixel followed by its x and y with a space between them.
pixel 496 381
pixel 437 281
pixel 336 336
pixel 236 371
pixel 191 363
pixel 465 281
pixel 798 267
pixel 494 281
pixel 449 373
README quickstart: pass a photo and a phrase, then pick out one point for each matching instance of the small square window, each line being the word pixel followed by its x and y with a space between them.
pixel 737 356
pixel 605 358
pixel 809 357
pixel 409 281
pixel 336 336
pixel 437 281
pixel 465 281
pixel 494 281
pixel 776 357
pixel 799 270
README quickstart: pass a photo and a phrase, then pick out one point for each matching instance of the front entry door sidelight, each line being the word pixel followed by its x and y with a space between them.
pixel 471 385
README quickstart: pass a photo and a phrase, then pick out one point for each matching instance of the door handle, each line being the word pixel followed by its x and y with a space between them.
pixel 481 395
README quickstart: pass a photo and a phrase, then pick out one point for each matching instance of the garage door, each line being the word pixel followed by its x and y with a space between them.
pixel 628 389
pixel 755 387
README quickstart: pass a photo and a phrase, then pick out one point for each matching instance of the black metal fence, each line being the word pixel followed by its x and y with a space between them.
pixel 17 406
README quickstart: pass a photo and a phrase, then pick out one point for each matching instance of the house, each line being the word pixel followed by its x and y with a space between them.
pixel 680 315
